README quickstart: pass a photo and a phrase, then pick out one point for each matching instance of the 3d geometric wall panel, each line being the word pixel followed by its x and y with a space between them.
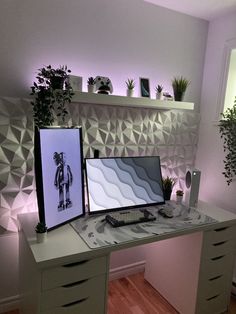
pixel 114 131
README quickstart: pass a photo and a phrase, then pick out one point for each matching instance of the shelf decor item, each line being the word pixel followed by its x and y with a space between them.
pixel 159 92
pixel 91 84
pixel 103 85
pixel 179 196
pixel 228 134
pixel 51 92
pixel 75 82
pixel 41 232
pixel 168 184
pixel 179 85
pixel 144 87
pixel 130 83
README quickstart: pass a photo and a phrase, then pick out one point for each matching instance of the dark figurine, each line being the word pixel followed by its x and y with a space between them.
pixel 63 180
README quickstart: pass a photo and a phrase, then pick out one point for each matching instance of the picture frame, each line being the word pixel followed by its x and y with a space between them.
pixel 59 174
pixel 75 82
pixel 144 87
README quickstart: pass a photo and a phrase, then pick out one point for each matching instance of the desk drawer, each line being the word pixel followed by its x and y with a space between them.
pixel 90 305
pixel 215 305
pixel 220 234
pixel 73 272
pixel 217 248
pixel 73 293
pixel 216 266
pixel 214 286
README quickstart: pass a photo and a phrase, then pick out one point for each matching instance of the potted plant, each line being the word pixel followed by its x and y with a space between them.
pixel 130 83
pixel 179 85
pixel 159 91
pixel 228 133
pixel 41 232
pixel 179 196
pixel 52 91
pixel 168 184
pixel 91 84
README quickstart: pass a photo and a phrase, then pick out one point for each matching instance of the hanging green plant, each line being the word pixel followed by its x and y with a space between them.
pixel 52 91
pixel 228 133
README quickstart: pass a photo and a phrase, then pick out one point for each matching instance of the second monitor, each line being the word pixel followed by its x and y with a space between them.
pixel 123 182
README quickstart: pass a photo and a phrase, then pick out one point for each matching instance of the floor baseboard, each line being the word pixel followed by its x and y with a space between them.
pixel 127 270
pixel 9 304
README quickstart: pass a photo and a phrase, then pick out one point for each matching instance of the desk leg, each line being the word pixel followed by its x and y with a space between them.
pixel 172 268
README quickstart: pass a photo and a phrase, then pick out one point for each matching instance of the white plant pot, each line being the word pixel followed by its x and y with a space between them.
pixel 159 96
pixel 179 199
pixel 91 88
pixel 130 92
pixel 41 237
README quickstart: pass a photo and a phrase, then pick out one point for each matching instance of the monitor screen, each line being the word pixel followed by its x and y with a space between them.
pixel 116 183
pixel 59 174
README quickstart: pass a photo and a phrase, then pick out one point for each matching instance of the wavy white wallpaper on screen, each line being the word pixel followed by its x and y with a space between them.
pixel 114 131
pixel 114 183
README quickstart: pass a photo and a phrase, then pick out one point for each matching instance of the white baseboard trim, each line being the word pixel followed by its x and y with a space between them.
pixel 123 271
pixel 10 303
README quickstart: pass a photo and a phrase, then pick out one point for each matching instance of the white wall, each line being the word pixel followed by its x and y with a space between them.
pixel 117 38
pixel 210 155
pixel 120 39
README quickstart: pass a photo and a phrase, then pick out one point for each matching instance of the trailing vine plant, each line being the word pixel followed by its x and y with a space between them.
pixel 228 133
pixel 52 91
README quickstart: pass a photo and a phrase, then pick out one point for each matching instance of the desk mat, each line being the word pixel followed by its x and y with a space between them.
pixel 96 232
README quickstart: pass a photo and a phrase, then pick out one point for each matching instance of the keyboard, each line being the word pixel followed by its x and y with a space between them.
pixel 128 217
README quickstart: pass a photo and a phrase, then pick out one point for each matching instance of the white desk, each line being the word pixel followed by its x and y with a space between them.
pixel 64 275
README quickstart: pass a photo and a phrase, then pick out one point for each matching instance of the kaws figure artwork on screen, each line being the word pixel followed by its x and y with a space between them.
pixel 63 181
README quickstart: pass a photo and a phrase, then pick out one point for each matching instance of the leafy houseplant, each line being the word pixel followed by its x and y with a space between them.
pixel 41 232
pixel 179 85
pixel 179 196
pixel 159 88
pixel 91 84
pixel 130 83
pixel 168 184
pixel 179 193
pixel 159 91
pixel 51 93
pixel 41 227
pixel 228 133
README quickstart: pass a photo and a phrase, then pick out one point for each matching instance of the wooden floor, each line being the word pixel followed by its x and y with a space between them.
pixel 134 295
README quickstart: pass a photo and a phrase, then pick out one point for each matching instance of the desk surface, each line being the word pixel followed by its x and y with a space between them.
pixel 64 244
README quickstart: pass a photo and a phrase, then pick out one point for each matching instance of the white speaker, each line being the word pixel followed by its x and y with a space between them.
pixel 192 182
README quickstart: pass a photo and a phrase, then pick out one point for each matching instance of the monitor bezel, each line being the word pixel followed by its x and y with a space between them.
pixel 124 207
pixel 39 174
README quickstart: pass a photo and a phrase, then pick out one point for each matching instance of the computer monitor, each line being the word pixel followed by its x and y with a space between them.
pixel 59 174
pixel 123 182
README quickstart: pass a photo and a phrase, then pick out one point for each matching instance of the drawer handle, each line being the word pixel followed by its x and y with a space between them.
pixel 74 303
pixel 214 297
pixel 75 264
pixel 214 278
pixel 221 229
pixel 69 285
pixel 219 243
pixel 218 257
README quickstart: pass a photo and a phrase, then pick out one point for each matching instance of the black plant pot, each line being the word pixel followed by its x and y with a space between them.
pixel 57 82
pixel 179 96
pixel 167 194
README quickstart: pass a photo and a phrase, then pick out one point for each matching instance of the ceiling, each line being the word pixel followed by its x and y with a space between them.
pixel 205 9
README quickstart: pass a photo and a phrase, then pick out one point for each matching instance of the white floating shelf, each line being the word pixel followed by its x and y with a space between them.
pixel 138 102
